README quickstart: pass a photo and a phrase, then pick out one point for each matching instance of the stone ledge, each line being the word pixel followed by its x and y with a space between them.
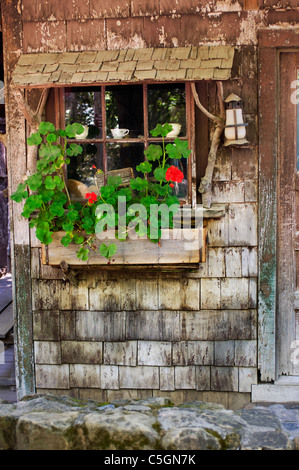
pixel 277 392
pixel 48 422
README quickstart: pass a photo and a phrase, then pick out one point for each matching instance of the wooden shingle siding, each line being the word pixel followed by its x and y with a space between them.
pixel 179 63
pixel 197 334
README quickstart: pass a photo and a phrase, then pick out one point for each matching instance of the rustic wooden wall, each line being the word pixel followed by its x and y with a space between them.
pixel 190 335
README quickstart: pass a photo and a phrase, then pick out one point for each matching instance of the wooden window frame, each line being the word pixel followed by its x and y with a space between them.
pixel 58 117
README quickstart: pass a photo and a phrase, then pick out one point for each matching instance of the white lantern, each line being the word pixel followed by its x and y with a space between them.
pixel 235 130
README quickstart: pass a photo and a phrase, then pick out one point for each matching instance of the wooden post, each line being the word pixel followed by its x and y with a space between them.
pixel 267 214
pixel 20 234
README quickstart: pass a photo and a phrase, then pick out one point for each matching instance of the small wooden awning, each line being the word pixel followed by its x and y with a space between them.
pixel 124 65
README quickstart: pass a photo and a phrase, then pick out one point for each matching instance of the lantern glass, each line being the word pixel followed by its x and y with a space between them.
pixel 234 132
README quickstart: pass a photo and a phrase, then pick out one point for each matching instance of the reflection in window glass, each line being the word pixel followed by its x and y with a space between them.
pixel 181 189
pixel 84 107
pixel 124 109
pixel 167 103
pixel 81 168
pixel 125 156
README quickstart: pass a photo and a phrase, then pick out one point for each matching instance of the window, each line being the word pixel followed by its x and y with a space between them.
pixel 138 108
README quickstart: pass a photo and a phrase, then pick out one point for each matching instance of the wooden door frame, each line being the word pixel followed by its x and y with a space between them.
pixel 271 43
pixel 286 211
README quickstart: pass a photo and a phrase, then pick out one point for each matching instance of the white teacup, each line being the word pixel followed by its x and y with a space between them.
pixel 83 135
pixel 119 133
pixel 176 129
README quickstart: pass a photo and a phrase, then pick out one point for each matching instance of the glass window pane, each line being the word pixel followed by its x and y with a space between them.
pixel 181 189
pixel 124 109
pixel 167 103
pixel 125 156
pixel 83 105
pixel 81 168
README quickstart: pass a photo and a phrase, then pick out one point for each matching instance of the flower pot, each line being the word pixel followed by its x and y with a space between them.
pixel 178 247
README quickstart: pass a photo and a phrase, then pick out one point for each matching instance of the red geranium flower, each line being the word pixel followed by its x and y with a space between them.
pixel 171 185
pixel 92 197
pixel 174 174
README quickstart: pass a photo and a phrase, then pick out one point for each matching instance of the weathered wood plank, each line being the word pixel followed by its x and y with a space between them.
pixel 6 321
pixel 20 236
pixel 178 249
pixel 286 214
pixel 5 292
pixel 267 212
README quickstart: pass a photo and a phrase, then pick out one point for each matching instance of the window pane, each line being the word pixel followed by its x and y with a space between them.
pixel 124 109
pixel 167 103
pixel 181 189
pixel 81 168
pixel 83 105
pixel 125 156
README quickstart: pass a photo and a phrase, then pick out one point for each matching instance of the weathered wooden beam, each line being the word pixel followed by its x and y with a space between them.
pixel 205 187
pixel 267 213
pixel 20 233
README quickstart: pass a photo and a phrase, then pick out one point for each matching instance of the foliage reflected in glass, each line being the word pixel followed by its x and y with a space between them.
pixel 84 107
pixel 167 103
pixel 124 109
pixel 125 156
pixel 81 167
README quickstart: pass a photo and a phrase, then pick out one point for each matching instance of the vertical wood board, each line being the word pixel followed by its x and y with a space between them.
pixel 20 235
pixel 267 213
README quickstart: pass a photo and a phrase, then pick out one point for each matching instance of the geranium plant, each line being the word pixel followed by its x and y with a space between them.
pixel 49 208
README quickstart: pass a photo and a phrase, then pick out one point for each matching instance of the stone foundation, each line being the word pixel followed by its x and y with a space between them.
pixel 155 424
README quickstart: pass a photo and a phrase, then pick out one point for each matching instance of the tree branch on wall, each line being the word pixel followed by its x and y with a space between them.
pixel 205 187
pixel 34 118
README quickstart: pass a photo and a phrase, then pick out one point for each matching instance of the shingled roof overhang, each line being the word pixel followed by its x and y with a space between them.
pixel 124 65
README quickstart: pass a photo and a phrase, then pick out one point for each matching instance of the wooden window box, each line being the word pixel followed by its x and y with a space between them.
pixel 177 250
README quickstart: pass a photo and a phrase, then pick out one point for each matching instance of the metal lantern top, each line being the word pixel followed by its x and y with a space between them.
pixel 233 101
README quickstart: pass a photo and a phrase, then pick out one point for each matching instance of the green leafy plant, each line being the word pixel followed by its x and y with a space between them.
pixel 49 208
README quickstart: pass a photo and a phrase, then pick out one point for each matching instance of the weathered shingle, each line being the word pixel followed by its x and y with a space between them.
pixel 91 67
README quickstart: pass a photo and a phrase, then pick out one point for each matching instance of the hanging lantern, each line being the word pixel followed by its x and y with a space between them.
pixel 235 130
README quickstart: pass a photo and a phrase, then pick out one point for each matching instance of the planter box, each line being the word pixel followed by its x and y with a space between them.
pixel 183 247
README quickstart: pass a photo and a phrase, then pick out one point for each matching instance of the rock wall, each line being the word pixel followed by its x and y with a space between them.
pixel 155 424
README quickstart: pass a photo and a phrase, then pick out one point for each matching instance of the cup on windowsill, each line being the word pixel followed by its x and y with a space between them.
pixel 83 135
pixel 119 133
pixel 176 129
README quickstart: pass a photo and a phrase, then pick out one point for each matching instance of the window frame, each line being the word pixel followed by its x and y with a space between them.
pixel 59 118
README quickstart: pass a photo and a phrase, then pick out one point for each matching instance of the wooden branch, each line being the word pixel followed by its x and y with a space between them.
pixel 42 103
pixel 201 107
pixel 68 273
pixel 34 119
pixel 205 187
pixel 29 115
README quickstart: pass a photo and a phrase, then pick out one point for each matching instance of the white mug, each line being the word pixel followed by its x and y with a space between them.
pixel 176 129
pixel 83 135
pixel 119 133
